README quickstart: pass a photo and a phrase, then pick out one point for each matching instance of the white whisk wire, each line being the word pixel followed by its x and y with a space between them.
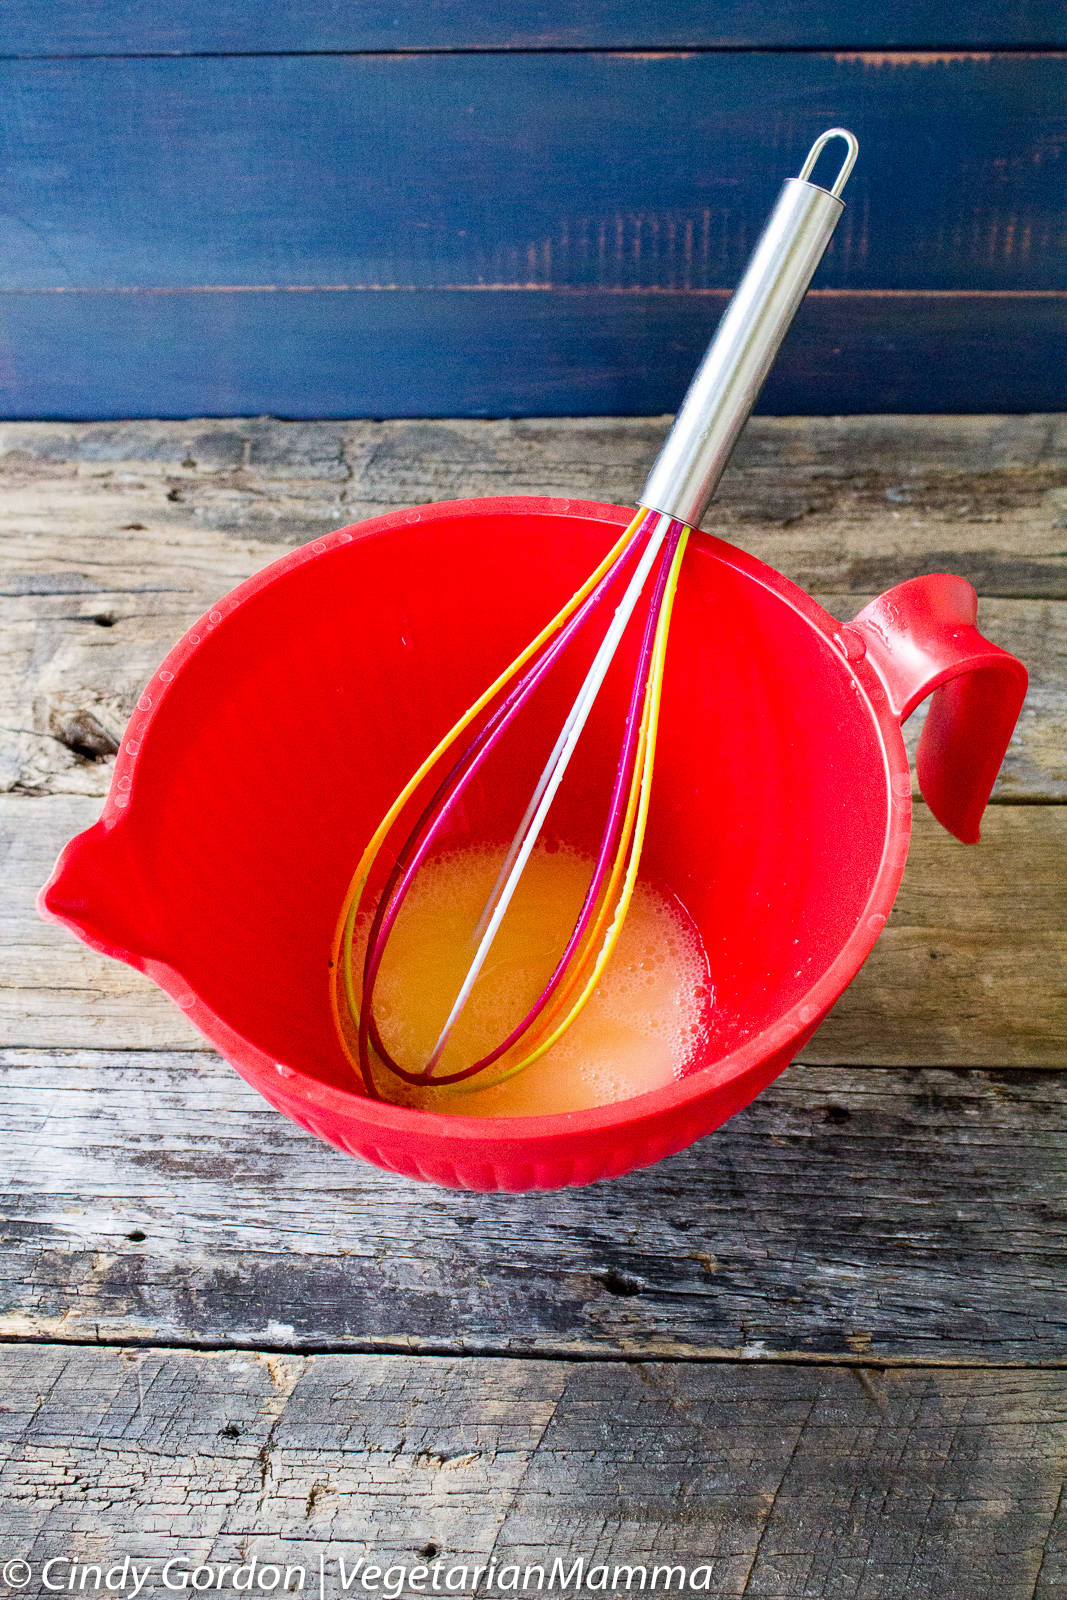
pixel 529 829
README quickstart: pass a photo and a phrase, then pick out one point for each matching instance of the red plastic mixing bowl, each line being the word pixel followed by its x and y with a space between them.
pixel 276 733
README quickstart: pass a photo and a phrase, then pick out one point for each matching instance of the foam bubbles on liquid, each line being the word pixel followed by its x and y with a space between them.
pixel 638 1031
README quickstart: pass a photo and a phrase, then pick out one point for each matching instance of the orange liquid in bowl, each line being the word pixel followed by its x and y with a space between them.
pixel 636 1033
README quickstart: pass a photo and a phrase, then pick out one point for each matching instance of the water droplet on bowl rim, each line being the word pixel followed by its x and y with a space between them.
pixel 852 645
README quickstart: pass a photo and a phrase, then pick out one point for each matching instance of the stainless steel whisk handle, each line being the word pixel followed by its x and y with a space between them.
pixel 724 390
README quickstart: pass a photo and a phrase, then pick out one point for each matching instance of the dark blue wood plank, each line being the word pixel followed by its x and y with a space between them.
pixel 62 27
pixel 434 353
pixel 607 171
pixel 603 174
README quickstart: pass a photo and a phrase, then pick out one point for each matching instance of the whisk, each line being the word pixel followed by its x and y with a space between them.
pixel 645 563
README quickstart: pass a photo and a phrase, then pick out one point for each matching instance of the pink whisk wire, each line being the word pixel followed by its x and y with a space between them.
pixel 438 811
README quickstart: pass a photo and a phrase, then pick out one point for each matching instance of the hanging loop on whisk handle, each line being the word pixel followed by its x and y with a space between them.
pixel 724 390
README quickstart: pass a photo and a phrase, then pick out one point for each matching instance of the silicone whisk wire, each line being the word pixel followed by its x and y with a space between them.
pixel 615 871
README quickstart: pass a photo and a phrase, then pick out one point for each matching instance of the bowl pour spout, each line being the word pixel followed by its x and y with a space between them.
pixel 97 890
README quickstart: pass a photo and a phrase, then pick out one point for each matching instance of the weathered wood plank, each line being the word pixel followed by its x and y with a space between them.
pixel 895 1215
pixel 953 971
pixel 116 537
pixel 114 27
pixel 968 972
pixel 771 1480
pixel 303 351
pixel 837 503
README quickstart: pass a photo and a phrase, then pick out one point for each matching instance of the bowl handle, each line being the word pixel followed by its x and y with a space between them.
pixel 921 637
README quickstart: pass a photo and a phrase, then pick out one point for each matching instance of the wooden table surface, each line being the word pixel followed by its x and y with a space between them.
pixel 820 1353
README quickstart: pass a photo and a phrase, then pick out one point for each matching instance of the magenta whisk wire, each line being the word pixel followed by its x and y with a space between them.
pixel 441 806
pixel 436 815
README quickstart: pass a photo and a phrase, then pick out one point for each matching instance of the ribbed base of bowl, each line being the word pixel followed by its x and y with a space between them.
pixel 479 1155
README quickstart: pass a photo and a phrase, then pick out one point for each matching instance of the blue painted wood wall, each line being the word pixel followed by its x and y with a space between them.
pixel 320 208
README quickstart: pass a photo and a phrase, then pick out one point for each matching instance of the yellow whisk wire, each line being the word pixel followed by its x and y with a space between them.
pixel 639 785
pixel 344 936
pixel 634 826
